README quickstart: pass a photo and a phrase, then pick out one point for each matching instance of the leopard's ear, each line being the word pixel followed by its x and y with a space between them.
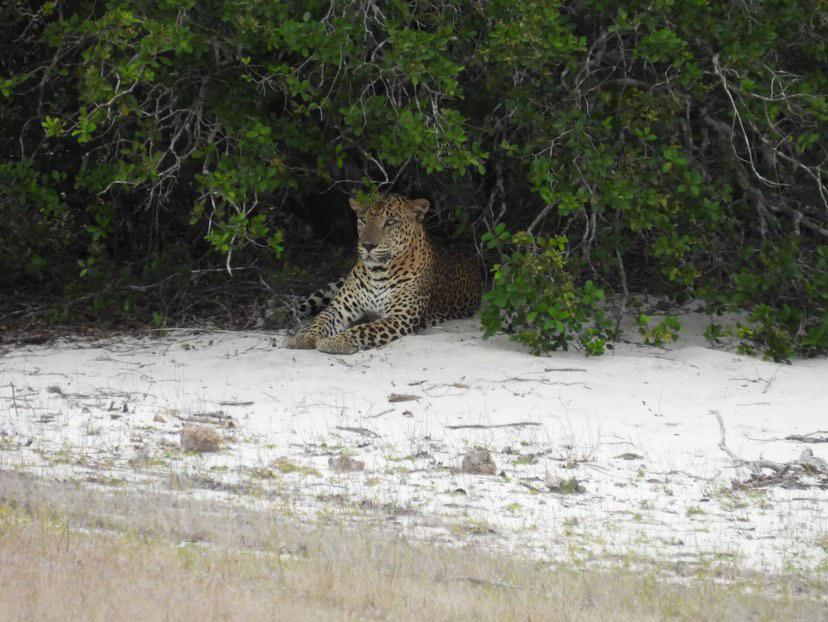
pixel 419 207
pixel 356 206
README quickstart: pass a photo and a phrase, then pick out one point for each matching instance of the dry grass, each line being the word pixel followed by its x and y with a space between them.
pixel 70 553
pixel 200 438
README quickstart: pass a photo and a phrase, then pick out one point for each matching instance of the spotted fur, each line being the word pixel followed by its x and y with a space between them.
pixel 400 283
pixel 321 298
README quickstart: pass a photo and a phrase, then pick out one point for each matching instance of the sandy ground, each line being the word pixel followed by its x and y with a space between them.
pixel 633 428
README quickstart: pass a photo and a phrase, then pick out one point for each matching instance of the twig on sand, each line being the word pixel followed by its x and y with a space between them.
pixel 218 417
pixel 536 380
pixel 384 412
pixel 342 361
pixel 362 431
pixel 430 390
pixel 698 478
pixel 820 436
pixel 217 414
pixel 480 426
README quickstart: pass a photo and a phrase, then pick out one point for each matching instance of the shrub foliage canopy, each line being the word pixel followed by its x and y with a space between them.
pixel 675 147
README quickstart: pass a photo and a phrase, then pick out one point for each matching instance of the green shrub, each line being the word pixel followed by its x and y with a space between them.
pixel 664 331
pixel 535 299
pixel 716 334
pixel 784 290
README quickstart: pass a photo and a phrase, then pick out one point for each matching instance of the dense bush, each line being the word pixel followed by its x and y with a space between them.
pixel 534 298
pixel 679 147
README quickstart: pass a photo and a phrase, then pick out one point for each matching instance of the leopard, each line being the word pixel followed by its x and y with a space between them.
pixel 401 282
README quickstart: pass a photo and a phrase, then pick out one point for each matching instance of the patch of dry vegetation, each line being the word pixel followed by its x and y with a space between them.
pixel 200 439
pixel 71 551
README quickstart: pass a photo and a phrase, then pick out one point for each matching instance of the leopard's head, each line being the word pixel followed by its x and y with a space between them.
pixel 388 226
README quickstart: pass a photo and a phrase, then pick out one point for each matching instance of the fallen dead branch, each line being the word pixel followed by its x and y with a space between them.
pixel 820 436
pixel 480 426
pixel 807 471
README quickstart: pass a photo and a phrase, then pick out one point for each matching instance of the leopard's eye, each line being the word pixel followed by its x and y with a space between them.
pixel 392 222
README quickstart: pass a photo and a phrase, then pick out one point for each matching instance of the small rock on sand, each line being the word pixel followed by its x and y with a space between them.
pixel 478 461
pixel 199 438
pixel 345 464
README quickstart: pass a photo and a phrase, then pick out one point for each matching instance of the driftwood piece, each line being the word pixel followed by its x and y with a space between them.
pixel 480 426
pixel 820 436
pixel 806 471
pixel 402 397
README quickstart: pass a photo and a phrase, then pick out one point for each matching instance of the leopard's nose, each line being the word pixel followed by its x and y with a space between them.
pixel 368 246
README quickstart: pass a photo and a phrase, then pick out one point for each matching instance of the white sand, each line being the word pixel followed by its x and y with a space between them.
pixel 668 498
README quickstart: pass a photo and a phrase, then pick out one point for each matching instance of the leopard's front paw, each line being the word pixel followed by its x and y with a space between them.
pixel 301 341
pixel 336 345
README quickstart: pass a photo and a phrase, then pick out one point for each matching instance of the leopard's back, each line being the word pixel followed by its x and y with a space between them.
pixel 455 285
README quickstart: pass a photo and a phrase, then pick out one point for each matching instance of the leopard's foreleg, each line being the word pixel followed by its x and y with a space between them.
pixel 370 335
pixel 343 311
